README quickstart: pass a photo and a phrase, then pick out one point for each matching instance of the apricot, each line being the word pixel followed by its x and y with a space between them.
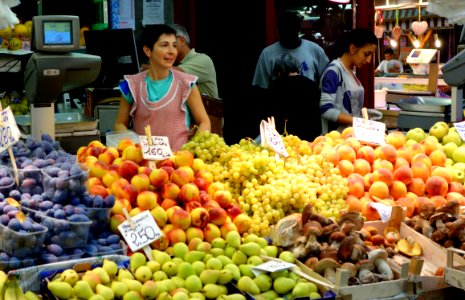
pixel 346 152
pixel 404 174
pixel 438 158
pixel 420 170
pixel 362 166
pixel 387 152
pixel 370 213
pixel 345 167
pixel 367 153
pixel 438 200
pixel 417 186
pixel 442 172
pixel 436 185
pixel 398 189
pixel 379 189
pixel 396 138
pixel 354 203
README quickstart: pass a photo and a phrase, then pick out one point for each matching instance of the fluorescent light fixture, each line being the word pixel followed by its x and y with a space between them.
pixel 340 1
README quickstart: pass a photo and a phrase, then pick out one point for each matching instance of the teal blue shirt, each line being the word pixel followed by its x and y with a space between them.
pixel 156 89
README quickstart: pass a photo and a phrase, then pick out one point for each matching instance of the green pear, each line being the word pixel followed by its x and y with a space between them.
pixel 159 276
pixel 153 265
pixel 229 250
pixel 193 283
pixel 163 296
pixel 178 281
pixel 97 297
pixel 177 260
pixel 207 257
pixel 124 274
pixel 133 295
pixel 170 268
pixel 119 288
pixel 235 296
pixel 250 248
pixel 169 285
pixel 180 250
pixel 262 242
pixel 271 250
pixel 214 264
pixel 246 270
pixel 250 238
pixel 105 291
pixel 143 273
pixel 217 251
pixel 104 277
pixel 92 278
pixel 239 258
pixel 194 255
pixel 314 295
pixel 218 242
pixel 180 296
pixel 213 291
pixel 277 274
pixel 110 267
pixel 70 276
pixel 209 276
pixel 303 289
pixel 137 259
pixel 224 259
pixel 283 285
pixel 254 260
pixel 225 276
pixel 198 267
pixel 150 289
pixel 29 295
pixel 287 256
pixel 82 289
pixel 264 282
pixel 236 272
pixel 247 285
pixel 185 269
pixel 197 296
pixel 204 246
pixel 60 289
pixel 269 295
pixel 160 256
pixel 133 285
pixel 233 239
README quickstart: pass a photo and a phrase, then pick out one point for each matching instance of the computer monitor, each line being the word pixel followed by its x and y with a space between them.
pixel 117 48
pixel 55 33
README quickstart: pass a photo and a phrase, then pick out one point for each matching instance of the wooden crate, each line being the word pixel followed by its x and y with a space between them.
pixel 454 275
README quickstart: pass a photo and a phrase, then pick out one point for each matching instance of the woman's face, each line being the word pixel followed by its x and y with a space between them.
pixel 164 52
pixel 361 56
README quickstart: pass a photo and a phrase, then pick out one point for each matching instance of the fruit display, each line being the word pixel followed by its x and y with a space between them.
pixel 221 270
pixel 16 101
pixel 268 189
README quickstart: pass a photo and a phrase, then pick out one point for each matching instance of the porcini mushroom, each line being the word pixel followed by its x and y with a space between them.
pixel 439 219
pixel 379 257
pixel 451 207
pixel 335 239
pixel 350 221
pixel 353 270
pixel 327 267
pixel 308 243
pixel 457 230
pixel 346 247
pixel 365 271
pixel 423 226
pixel 426 210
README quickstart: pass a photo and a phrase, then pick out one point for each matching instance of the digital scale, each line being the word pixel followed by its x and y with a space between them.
pixel 421 108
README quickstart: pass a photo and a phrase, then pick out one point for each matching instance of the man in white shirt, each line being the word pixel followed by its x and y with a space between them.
pixel 389 64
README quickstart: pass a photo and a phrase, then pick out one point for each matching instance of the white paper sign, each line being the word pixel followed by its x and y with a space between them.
pixel 9 131
pixel 369 131
pixel 460 129
pixel 159 150
pixel 270 137
pixel 272 266
pixel 384 210
pixel 145 231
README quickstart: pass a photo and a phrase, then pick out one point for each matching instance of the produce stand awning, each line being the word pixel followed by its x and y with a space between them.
pixel 409 15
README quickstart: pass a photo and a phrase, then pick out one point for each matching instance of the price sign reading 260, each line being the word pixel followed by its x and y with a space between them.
pixel 142 232
pixel 9 132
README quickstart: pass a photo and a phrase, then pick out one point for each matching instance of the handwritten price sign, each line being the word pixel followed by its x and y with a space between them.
pixel 272 266
pixel 9 131
pixel 369 131
pixel 273 139
pixel 159 149
pixel 460 129
pixel 384 210
pixel 144 232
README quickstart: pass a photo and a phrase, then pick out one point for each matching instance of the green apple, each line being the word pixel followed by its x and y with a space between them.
pixel 449 162
pixel 443 124
pixel 416 134
pixel 438 131
pixel 457 174
pixel 449 148
pixel 452 136
pixel 459 165
pixel 459 154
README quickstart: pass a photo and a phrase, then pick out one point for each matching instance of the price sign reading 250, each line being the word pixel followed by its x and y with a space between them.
pixel 142 232
pixel 9 132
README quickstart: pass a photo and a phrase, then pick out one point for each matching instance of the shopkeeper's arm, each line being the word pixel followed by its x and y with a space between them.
pixel 122 119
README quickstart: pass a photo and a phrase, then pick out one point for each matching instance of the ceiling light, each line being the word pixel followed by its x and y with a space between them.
pixel 340 1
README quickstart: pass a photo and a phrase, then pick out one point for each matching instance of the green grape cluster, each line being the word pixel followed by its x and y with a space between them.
pixel 268 189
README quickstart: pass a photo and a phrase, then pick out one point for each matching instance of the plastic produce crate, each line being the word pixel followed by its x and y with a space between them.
pixel 59 189
pixel 19 244
pixel 113 137
pixel 62 232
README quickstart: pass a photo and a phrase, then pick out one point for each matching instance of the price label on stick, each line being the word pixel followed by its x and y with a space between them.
pixel 273 139
pixel 158 150
pixel 369 131
pixel 9 131
pixel 142 232
pixel 384 210
pixel 271 266
pixel 460 129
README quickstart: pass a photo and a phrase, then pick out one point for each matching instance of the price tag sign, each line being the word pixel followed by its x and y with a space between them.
pixel 144 232
pixel 272 266
pixel 159 149
pixel 272 138
pixel 384 211
pixel 460 129
pixel 9 131
pixel 369 131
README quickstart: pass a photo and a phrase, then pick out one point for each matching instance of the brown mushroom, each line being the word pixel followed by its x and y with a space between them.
pixel 457 230
pixel 448 243
pixel 328 230
pixel 346 247
pixel 379 257
pixel 353 270
pixel 440 235
pixel 358 253
pixel 311 262
pixel 451 207
pixel 423 226
pixel 309 215
pixel 365 272
pixel 327 267
pixel 335 239
pixel 439 219
pixel 349 221
pixel 426 210
pixel 377 240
